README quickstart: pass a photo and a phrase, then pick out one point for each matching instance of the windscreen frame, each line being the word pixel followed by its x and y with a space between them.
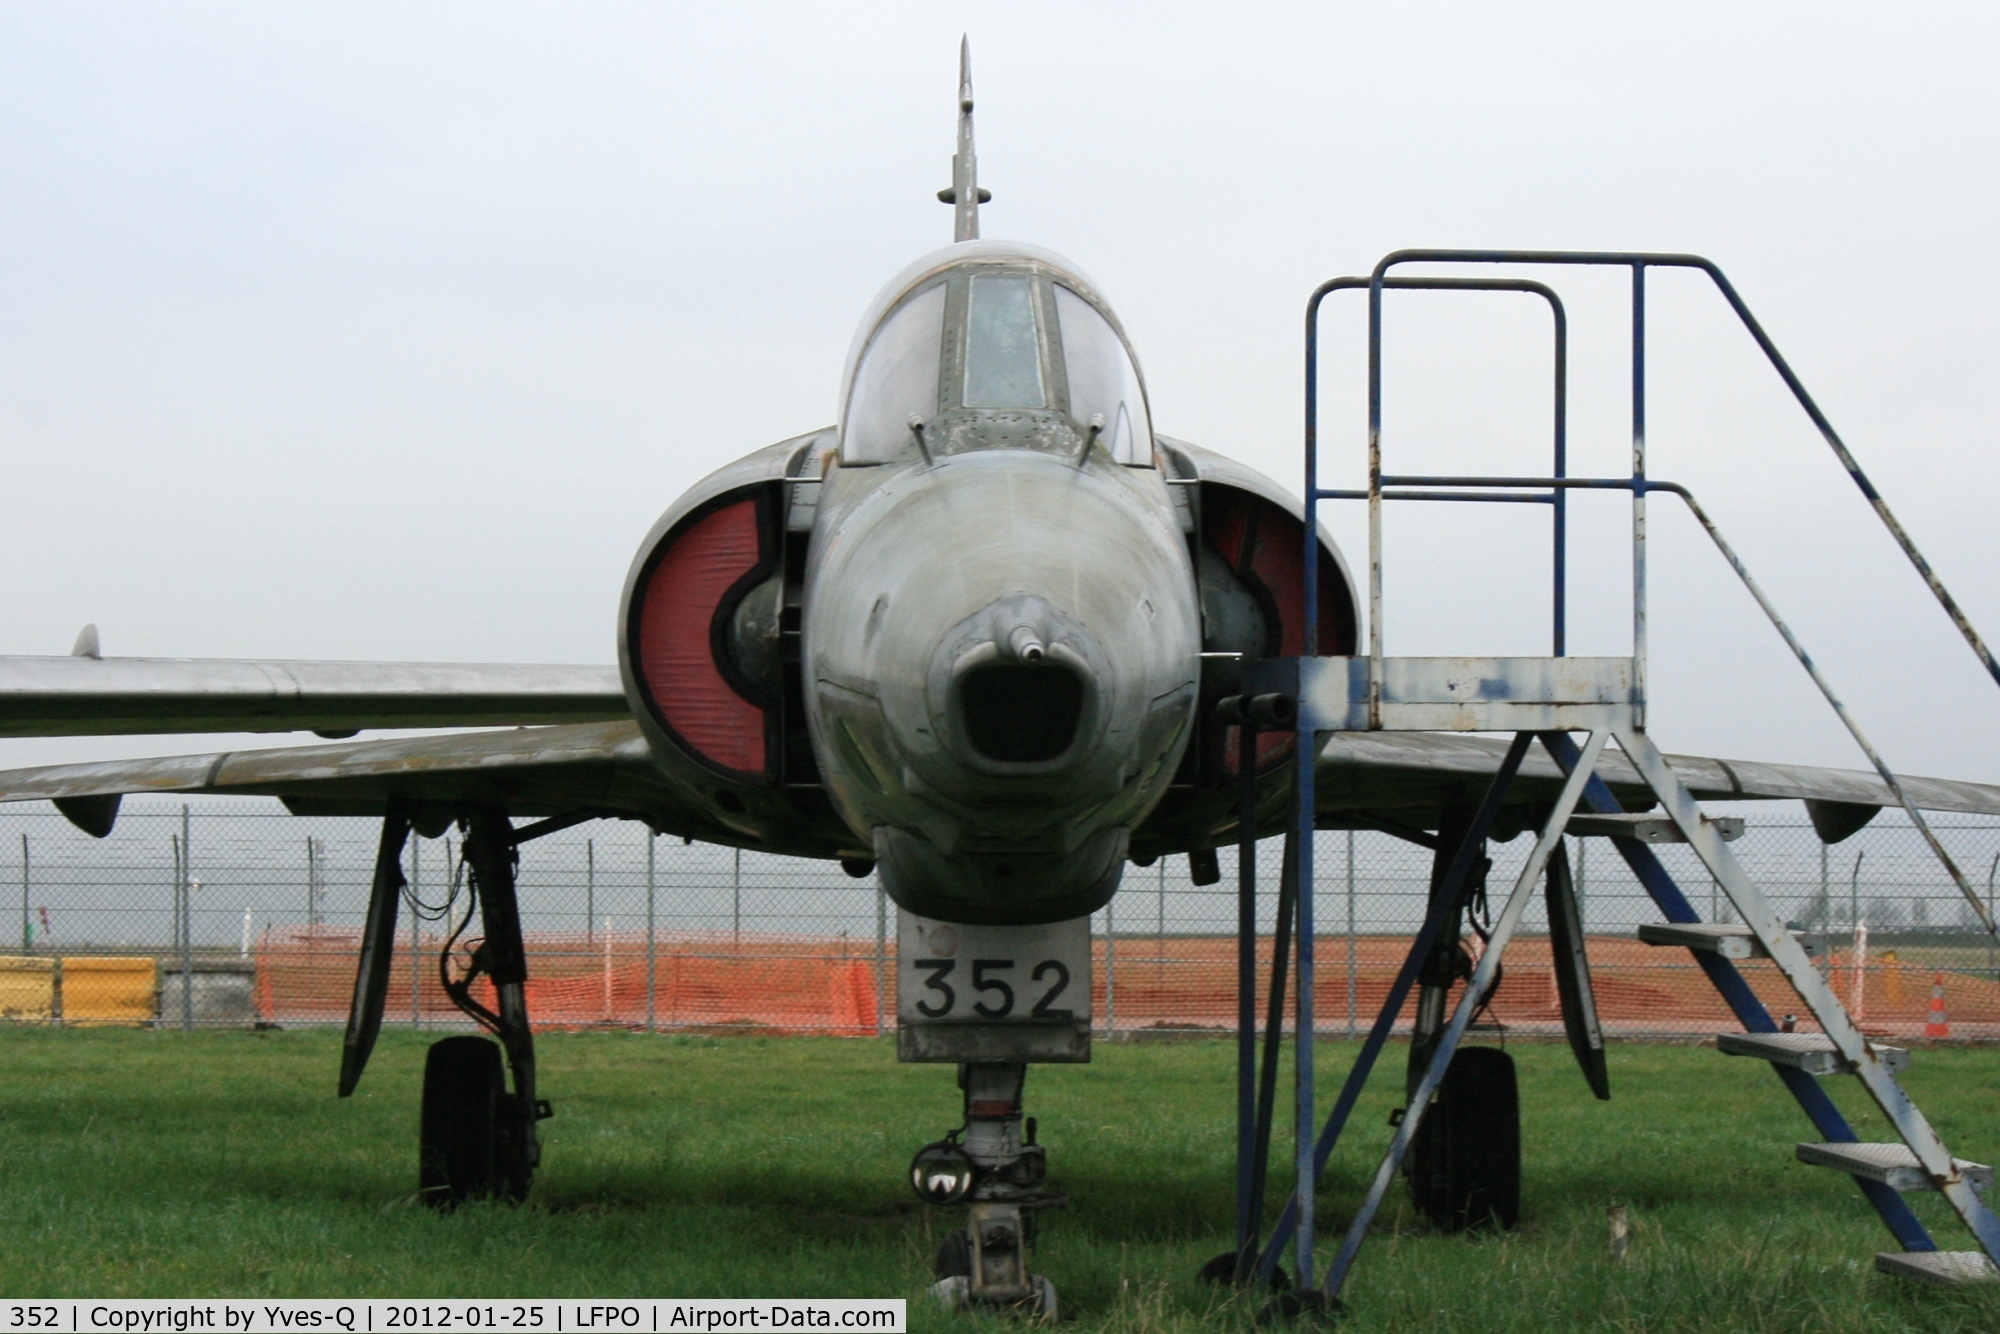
pixel 957 281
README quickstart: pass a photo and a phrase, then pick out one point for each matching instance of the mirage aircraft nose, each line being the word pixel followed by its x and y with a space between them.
pixel 996 717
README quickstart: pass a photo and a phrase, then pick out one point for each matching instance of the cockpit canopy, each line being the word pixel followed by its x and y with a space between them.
pixel 992 345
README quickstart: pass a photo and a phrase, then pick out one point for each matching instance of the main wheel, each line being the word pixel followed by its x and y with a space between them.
pixel 1221 1273
pixel 1465 1164
pixel 459 1142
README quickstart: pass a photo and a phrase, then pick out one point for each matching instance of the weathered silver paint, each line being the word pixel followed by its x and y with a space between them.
pixel 1016 542
pixel 920 575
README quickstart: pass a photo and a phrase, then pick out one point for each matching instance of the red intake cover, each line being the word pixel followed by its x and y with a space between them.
pixel 697 575
pixel 1264 544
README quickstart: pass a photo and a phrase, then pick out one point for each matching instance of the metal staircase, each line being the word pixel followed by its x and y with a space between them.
pixel 1550 701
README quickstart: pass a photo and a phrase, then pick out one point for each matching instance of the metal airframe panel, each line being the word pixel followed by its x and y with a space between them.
pixel 1466 694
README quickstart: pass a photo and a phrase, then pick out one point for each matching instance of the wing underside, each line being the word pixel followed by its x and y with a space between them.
pixel 1364 780
pixel 602 768
pixel 593 770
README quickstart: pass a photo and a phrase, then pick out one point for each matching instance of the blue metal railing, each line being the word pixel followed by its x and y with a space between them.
pixel 1311 1150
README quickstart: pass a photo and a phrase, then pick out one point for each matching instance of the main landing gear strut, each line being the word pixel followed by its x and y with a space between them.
pixel 992 1163
pixel 477 1139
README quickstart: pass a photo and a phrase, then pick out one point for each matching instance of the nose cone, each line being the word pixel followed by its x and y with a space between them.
pixel 1001 652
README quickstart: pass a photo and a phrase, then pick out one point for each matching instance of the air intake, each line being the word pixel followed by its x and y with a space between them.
pixel 1018 714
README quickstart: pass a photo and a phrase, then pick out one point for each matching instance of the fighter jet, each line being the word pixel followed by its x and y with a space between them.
pixel 971 638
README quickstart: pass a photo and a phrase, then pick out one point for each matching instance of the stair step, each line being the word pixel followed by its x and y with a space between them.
pixel 1731 942
pixel 1813 1053
pixel 1938 1266
pixel 1648 828
pixel 1894 1165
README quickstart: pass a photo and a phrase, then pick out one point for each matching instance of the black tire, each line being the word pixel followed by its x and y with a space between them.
pixel 459 1142
pixel 1296 1309
pixel 1221 1273
pixel 1465 1163
pixel 954 1255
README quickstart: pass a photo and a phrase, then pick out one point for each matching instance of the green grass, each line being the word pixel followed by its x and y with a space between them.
pixel 148 1164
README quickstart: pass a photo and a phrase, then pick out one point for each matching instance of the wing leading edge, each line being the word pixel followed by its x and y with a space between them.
pixel 1413 774
pixel 87 696
pixel 531 770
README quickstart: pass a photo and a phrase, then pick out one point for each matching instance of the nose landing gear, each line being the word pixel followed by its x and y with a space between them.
pixel 993 1163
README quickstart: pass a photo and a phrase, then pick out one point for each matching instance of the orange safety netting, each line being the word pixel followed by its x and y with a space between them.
pixel 305 975
pixel 1640 990
pixel 789 984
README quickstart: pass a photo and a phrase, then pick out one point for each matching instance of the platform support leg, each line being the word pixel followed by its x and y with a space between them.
pixel 1399 991
pixel 1468 1005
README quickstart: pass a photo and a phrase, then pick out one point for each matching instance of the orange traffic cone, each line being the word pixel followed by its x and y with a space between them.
pixel 1939 1026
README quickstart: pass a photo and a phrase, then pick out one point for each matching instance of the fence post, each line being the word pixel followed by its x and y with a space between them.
pixel 1350 935
pixel 187 920
pixel 1110 974
pixel 1582 883
pixel 652 1012
pixel 174 898
pixel 27 930
pixel 736 912
pixel 1854 895
pixel 1992 964
pixel 590 891
pixel 881 951
pixel 416 931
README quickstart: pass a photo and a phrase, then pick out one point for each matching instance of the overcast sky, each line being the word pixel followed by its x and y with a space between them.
pixel 385 331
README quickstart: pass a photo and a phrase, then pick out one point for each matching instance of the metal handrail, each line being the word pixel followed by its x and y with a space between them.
pixel 1515 489
pixel 1771 613
pixel 1522 490
pixel 1559 464
pixel 1638 262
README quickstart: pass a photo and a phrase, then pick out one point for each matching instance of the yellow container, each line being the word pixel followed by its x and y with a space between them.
pixel 109 991
pixel 27 989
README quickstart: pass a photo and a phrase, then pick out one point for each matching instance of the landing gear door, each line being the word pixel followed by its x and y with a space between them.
pixel 992 993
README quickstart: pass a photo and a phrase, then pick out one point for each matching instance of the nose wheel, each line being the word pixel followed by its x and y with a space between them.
pixel 991 1164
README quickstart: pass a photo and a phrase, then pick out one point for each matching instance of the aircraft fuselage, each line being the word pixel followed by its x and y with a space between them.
pixel 1001 650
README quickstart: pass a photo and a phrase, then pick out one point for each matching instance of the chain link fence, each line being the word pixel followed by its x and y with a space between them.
pixel 247 914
